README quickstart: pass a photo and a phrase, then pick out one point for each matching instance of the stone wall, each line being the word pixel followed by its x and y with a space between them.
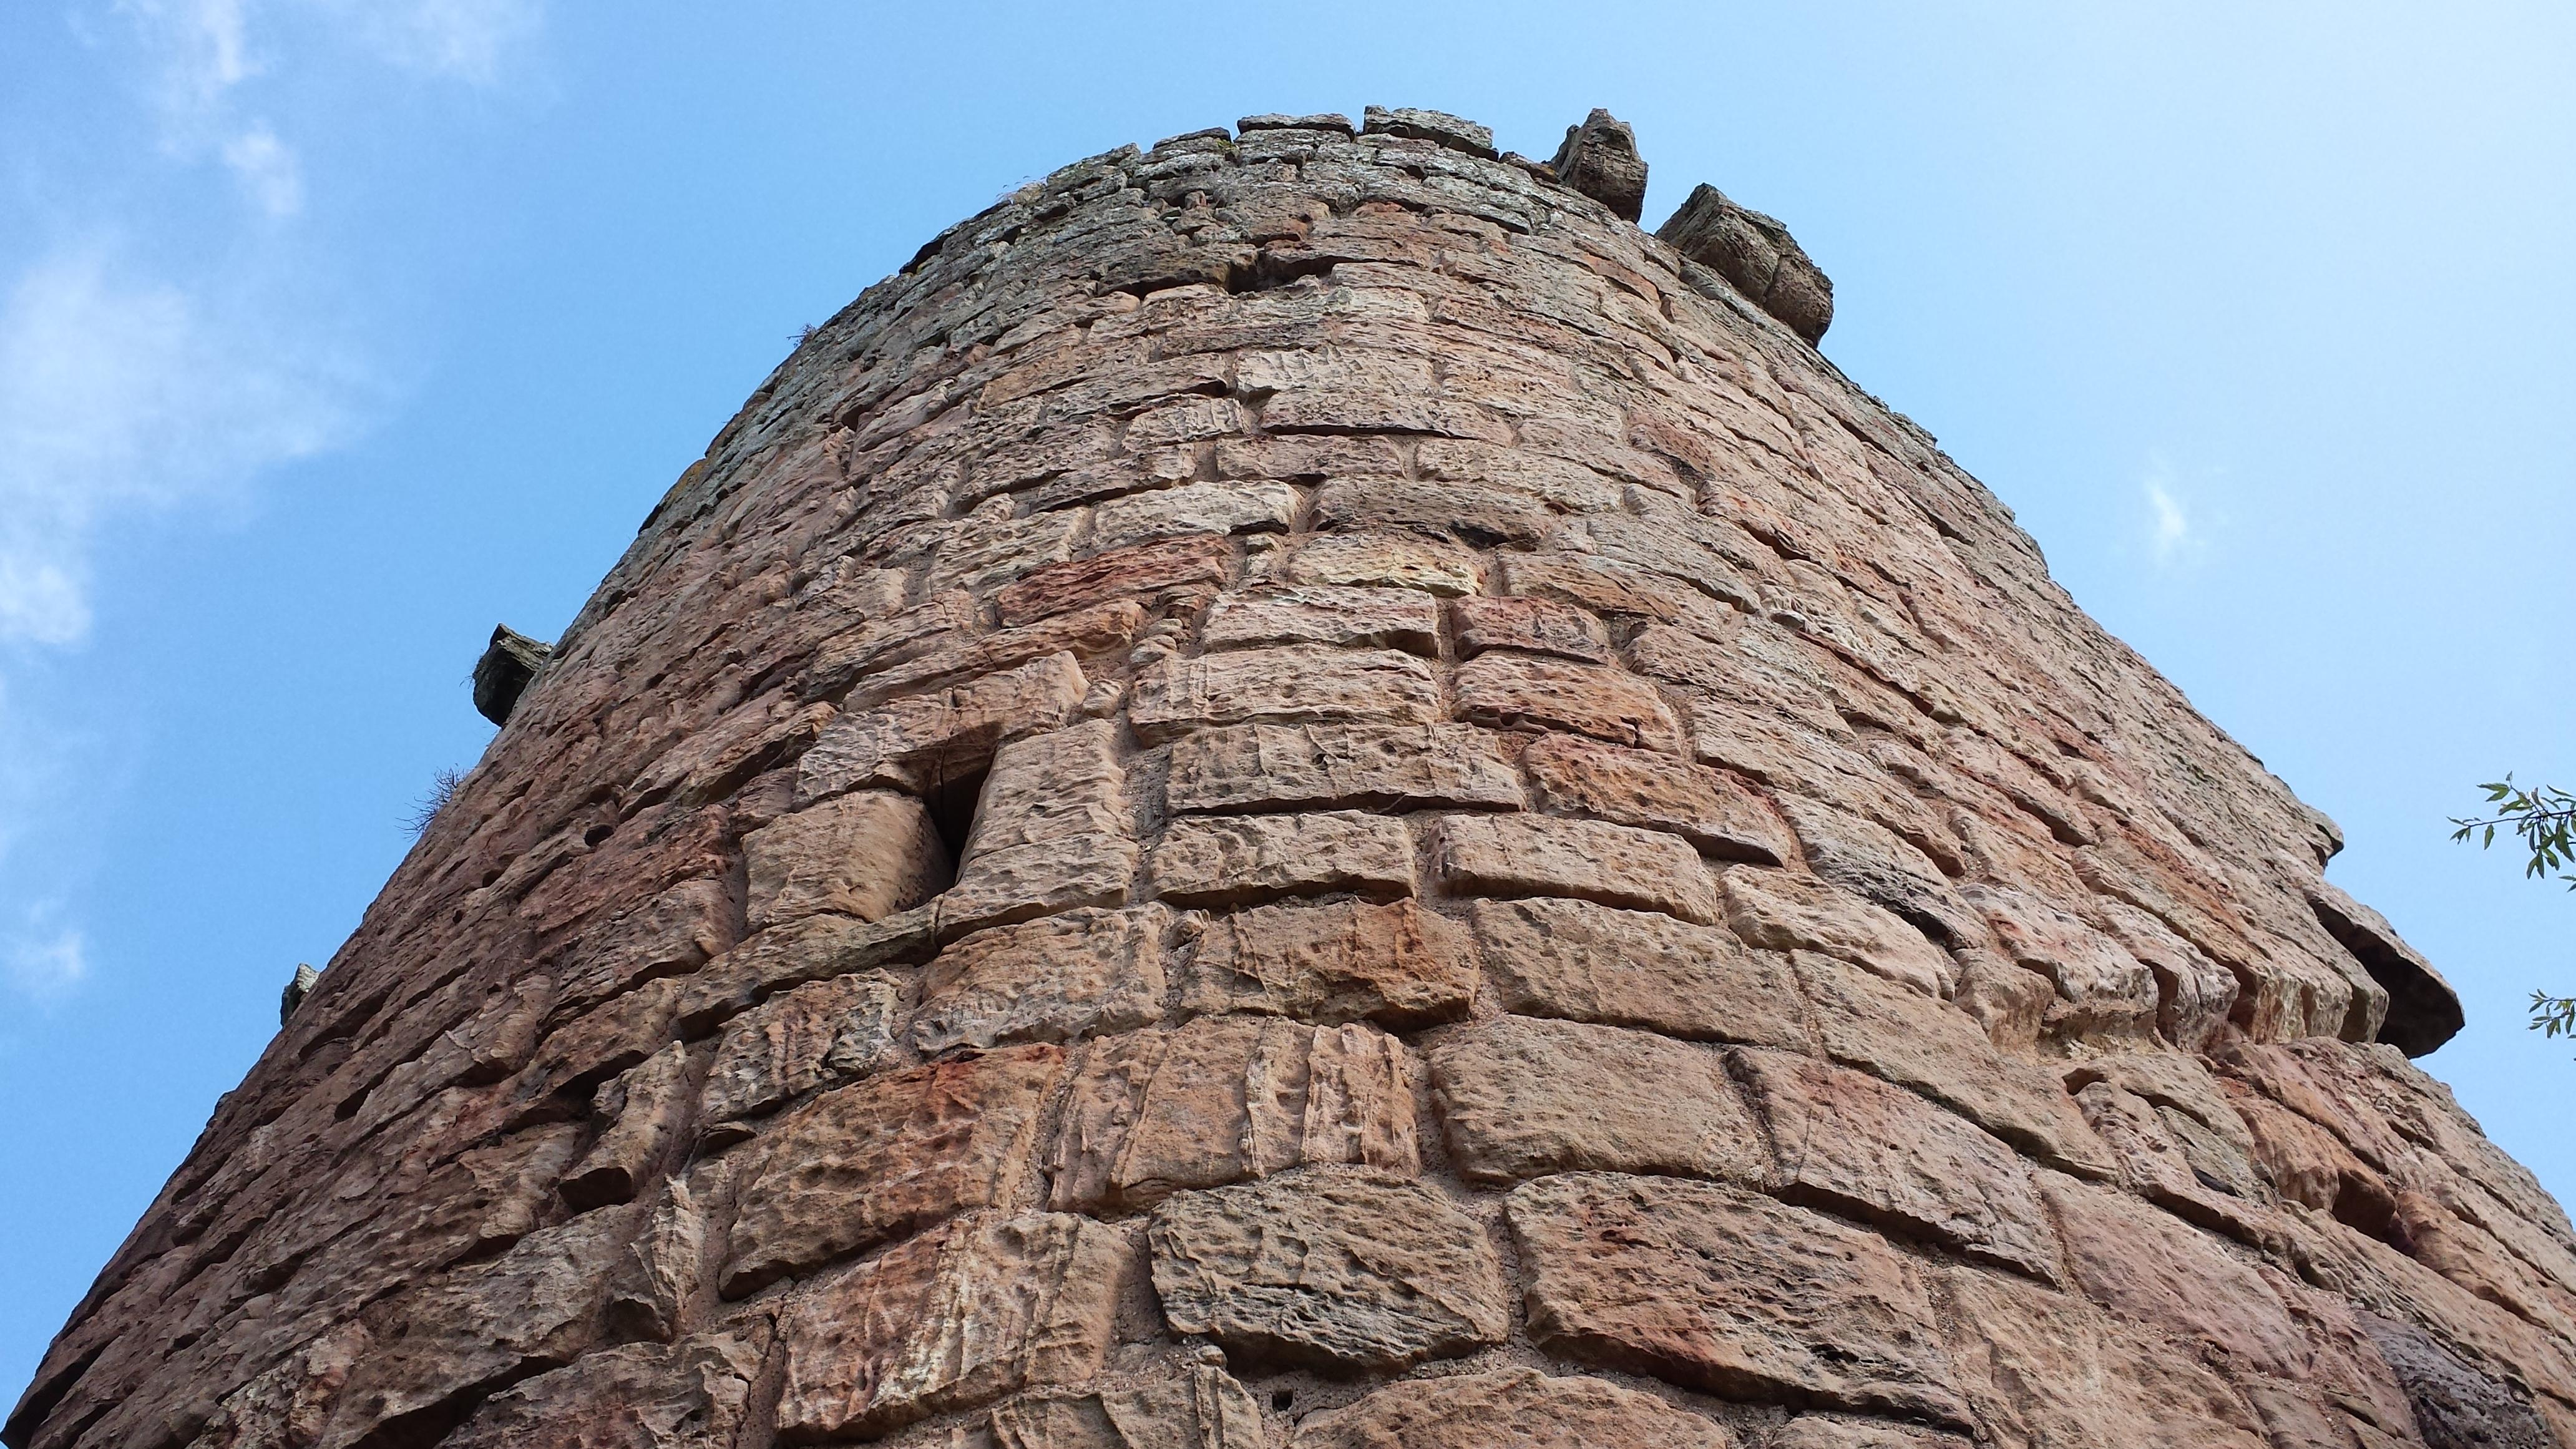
pixel 1302 791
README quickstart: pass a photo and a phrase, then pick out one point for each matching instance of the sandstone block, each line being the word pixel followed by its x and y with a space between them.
pixel 2100 987
pixel 1282 686
pixel 1528 855
pixel 957 1318
pixel 1878 864
pixel 1351 1270
pixel 867 855
pixel 693 1395
pixel 1816 1431
pixel 1851 1144
pixel 1224 1099
pixel 1053 831
pixel 1382 560
pixel 885 1156
pixel 1516 690
pixel 1154 572
pixel 1757 256
pixel 1482 517
pixel 1215 861
pixel 1197 1407
pixel 1522 1098
pixel 1614 589
pixel 1904 1037
pixel 675 931
pixel 534 1307
pixel 825 1031
pixel 2045 1368
pixel 646 1109
pixel 1714 1288
pixel 1709 808
pixel 1077 974
pixel 1334 961
pixel 1787 912
pixel 1381 767
pixel 920 742
pixel 1532 626
pixel 2146 1267
pixel 657 1282
pixel 1219 508
pixel 1337 616
pixel 1088 634
pixel 1583 962
pixel 1515 1408
pixel 813 948
pixel 1437 127
pixel 1599 159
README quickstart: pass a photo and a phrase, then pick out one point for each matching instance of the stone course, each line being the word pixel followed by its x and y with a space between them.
pixel 1303 791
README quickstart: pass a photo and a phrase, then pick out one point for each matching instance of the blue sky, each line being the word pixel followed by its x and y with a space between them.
pixel 333 331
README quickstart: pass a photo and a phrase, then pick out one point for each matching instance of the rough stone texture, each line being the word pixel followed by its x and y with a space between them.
pixel 1599 159
pixel 1223 1099
pixel 1718 1289
pixel 1349 1270
pixel 1582 962
pixel 1513 1409
pixel 950 1320
pixel 1522 1098
pixel 1274 696
pixel 1395 964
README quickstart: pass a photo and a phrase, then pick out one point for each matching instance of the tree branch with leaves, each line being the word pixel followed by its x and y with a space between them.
pixel 2544 820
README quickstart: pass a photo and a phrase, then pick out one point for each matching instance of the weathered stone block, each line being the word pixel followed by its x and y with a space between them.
pixel 1532 626
pixel 1077 974
pixel 646 1109
pixel 1348 1270
pixel 1383 767
pixel 1197 1407
pixel 1482 517
pixel 1215 861
pixel 813 948
pixel 1599 159
pixel 1282 686
pixel 1709 808
pixel 1718 1289
pixel 1337 616
pixel 692 1395
pixel 885 1156
pixel 1224 1099
pixel 1528 855
pixel 1583 962
pixel 1787 912
pixel 866 855
pixel 1849 1143
pixel 1395 964
pixel 1154 573
pixel 1757 256
pixel 1515 1408
pixel 1907 1038
pixel 1516 690
pixel 825 1031
pixel 1220 508
pixel 1523 1098
pixel 923 741
pixel 961 1317
pixel 1384 560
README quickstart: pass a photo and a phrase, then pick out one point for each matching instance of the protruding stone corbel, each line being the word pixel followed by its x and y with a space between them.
pixel 1757 256
pixel 2423 1010
pixel 1599 159
pixel 306 978
pixel 508 664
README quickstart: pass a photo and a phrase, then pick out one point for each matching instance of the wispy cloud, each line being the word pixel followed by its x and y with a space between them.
pixel 2170 532
pixel 44 961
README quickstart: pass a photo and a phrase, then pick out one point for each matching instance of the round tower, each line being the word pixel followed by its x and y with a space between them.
pixel 1304 792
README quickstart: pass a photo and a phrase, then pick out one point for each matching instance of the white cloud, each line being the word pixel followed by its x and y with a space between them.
pixel 46 962
pixel 2170 533
pixel 123 395
pixel 267 170
pixel 464 40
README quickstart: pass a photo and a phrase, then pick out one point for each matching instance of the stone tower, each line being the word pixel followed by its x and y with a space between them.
pixel 1304 792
